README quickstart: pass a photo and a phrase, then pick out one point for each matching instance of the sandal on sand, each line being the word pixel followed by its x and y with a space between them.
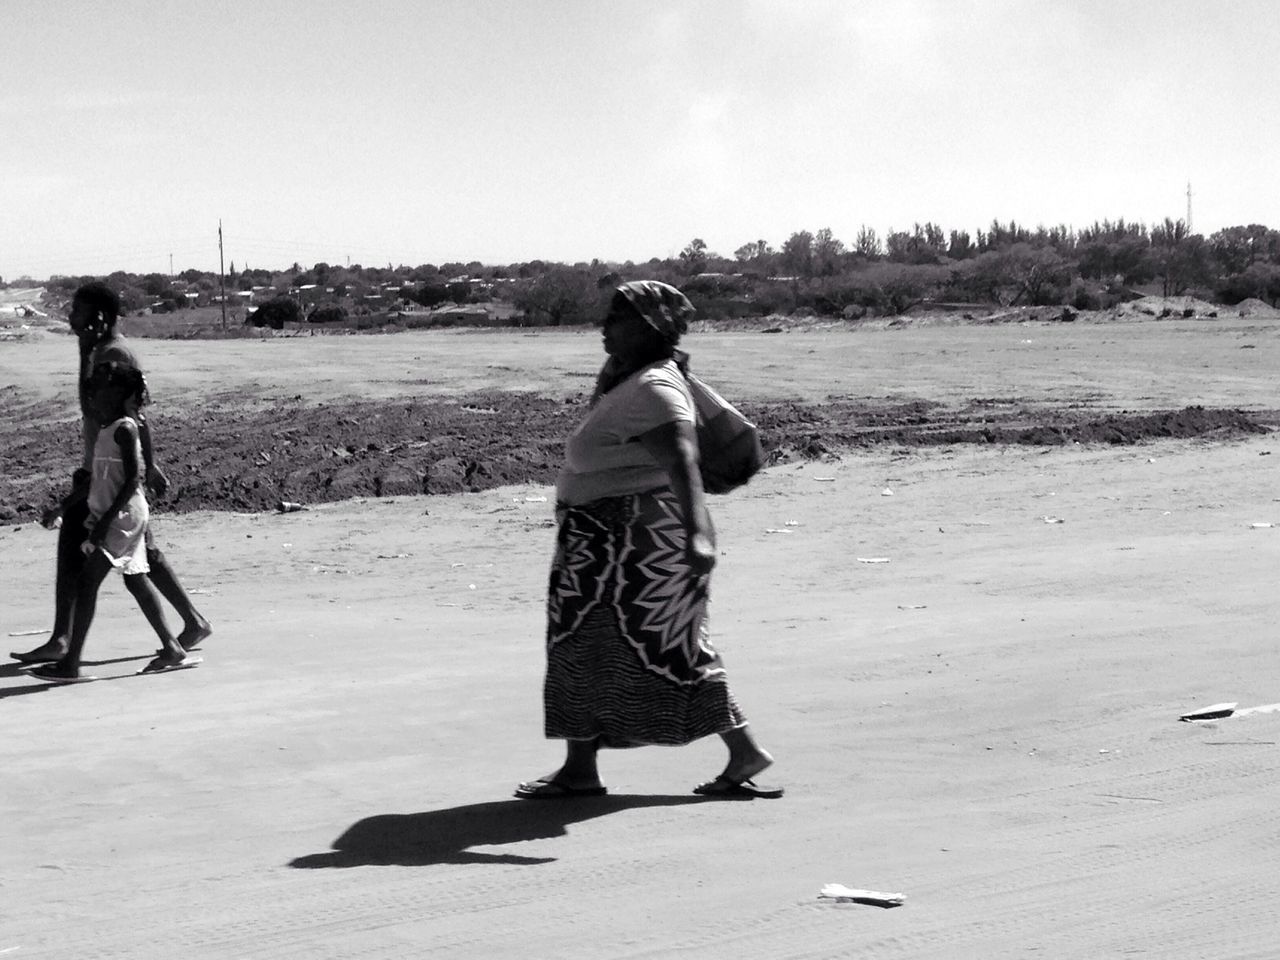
pixel 723 786
pixel 161 665
pixel 54 673
pixel 553 790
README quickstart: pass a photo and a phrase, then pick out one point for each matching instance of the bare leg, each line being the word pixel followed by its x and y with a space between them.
pixel 148 600
pixel 195 627
pixel 95 571
pixel 69 565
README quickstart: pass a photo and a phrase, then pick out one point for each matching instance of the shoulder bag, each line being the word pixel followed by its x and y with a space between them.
pixel 729 450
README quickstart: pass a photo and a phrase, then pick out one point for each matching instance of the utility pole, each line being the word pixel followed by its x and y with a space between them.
pixel 1188 208
pixel 222 278
pixel 171 266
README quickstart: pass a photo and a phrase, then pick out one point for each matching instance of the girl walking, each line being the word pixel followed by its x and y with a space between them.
pixel 117 525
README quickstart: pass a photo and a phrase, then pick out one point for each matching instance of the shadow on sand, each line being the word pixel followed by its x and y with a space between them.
pixel 39 686
pixel 446 836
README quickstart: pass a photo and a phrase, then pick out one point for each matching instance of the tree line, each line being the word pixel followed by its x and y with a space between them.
pixel 1005 265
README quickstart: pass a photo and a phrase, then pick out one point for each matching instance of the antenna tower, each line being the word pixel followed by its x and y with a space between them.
pixel 222 276
pixel 1189 208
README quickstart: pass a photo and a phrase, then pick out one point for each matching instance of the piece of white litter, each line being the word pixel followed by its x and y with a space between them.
pixel 535 499
pixel 824 479
pixel 392 556
pixel 792 523
pixel 1262 526
pixel 911 606
pixel 777 530
pixel 1215 712
pixel 886 492
pixel 1221 711
pixel 24 633
pixel 1052 519
pixel 873 559
pixel 840 893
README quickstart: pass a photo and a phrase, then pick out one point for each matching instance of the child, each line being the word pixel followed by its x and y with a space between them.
pixel 117 523
pixel 95 311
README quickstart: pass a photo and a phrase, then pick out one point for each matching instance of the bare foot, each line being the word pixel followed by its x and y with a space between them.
pixel 47 652
pixel 170 660
pixel 739 770
pixel 191 637
pixel 170 657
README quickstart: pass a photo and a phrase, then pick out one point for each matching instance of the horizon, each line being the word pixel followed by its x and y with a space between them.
pixel 503 133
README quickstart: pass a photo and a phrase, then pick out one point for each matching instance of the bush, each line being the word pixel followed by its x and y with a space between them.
pixel 275 313
pixel 560 296
pixel 328 314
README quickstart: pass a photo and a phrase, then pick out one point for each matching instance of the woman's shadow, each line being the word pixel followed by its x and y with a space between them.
pixel 446 836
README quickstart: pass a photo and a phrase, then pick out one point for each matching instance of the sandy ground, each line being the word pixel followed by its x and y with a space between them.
pixel 986 723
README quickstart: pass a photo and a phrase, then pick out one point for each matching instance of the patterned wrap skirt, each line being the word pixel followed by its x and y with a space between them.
pixel 629 657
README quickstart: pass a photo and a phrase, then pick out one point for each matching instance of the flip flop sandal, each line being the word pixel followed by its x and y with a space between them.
pixel 160 665
pixel 551 790
pixel 48 673
pixel 723 787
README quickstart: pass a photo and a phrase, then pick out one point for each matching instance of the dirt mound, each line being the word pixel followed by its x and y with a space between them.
pixel 1253 307
pixel 805 431
pixel 234 456
pixel 1188 422
pixel 1166 307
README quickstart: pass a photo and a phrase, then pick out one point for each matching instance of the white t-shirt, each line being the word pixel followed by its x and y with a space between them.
pixel 603 458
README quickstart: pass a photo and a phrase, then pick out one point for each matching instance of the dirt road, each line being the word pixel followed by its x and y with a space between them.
pixel 985 720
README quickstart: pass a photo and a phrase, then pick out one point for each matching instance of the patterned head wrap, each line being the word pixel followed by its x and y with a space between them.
pixel 662 306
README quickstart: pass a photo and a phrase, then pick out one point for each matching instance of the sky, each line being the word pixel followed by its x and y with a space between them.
pixel 501 131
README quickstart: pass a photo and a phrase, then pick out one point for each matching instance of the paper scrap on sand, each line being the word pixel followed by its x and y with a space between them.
pixel 1221 711
pixel 873 559
pixel 24 633
pixel 840 893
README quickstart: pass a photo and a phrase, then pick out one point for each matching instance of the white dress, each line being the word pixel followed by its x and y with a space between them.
pixel 126 541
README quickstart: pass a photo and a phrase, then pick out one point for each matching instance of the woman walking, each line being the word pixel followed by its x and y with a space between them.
pixel 629 659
